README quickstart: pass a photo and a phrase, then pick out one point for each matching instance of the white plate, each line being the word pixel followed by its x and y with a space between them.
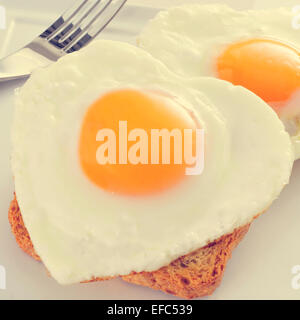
pixel 260 268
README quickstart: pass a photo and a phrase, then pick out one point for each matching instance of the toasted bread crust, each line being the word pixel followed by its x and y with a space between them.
pixel 19 230
pixel 196 274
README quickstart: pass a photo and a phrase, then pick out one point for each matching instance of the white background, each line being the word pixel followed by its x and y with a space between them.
pixel 261 267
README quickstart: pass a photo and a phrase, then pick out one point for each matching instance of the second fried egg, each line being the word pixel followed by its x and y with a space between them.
pixel 255 49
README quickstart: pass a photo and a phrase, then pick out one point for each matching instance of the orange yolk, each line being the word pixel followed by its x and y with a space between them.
pixel 268 68
pixel 140 110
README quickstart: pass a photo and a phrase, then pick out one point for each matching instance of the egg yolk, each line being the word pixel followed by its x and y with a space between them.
pixel 140 110
pixel 268 68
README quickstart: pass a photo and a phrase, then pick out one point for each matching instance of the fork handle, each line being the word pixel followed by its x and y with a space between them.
pixel 21 63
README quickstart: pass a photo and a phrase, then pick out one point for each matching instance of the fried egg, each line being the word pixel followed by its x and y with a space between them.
pixel 255 49
pixel 87 219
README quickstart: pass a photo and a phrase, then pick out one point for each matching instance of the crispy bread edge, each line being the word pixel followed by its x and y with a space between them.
pixel 196 274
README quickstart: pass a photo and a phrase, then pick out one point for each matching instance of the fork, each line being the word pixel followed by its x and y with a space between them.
pixel 73 30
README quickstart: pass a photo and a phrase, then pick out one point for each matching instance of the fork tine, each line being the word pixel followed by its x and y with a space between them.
pixel 63 20
pixel 92 29
pixel 99 7
pixel 110 16
pixel 47 48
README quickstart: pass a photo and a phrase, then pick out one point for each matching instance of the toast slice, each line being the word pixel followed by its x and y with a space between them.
pixel 195 274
